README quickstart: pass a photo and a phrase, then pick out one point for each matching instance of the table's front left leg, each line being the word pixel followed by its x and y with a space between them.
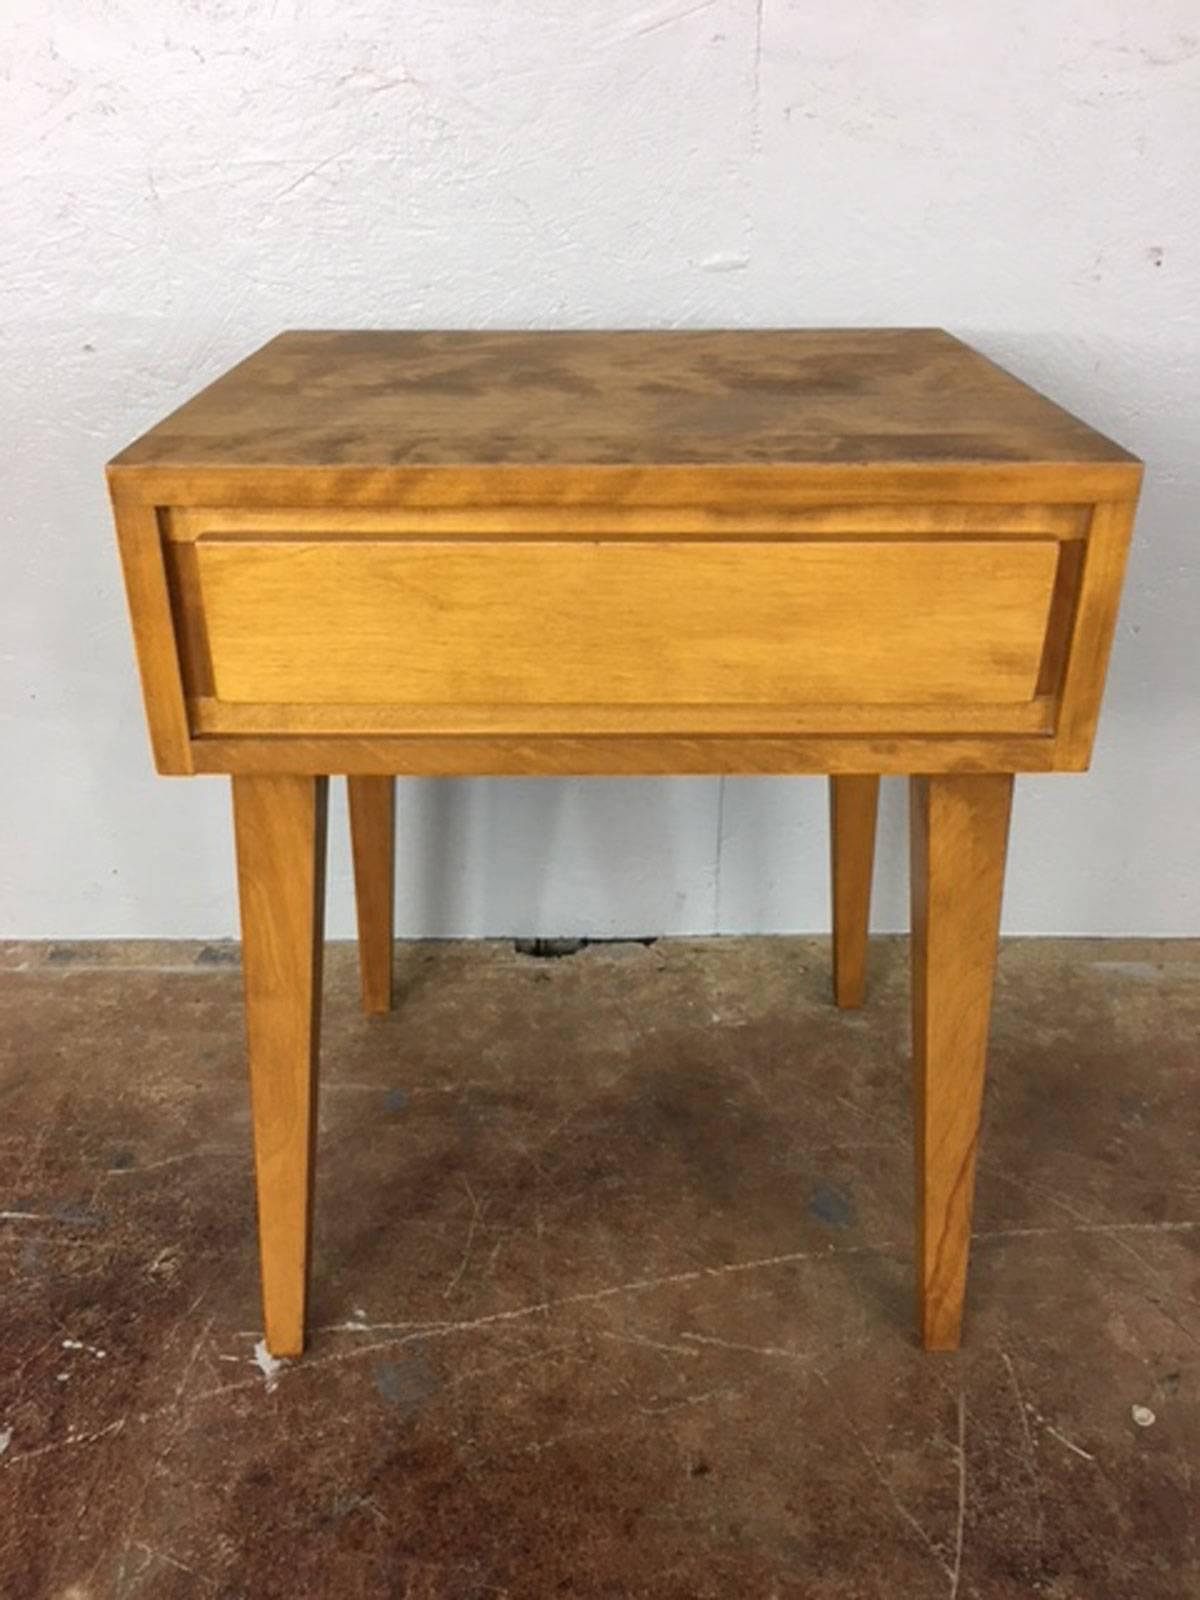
pixel 959 842
pixel 279 821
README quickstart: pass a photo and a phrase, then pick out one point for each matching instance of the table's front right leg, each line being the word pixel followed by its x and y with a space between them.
pixel 959 843
pixel 279 821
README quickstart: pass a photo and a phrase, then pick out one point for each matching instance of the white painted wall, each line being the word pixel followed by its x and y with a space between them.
pixel 182 178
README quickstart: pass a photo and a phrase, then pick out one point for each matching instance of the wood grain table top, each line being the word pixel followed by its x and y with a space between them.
pixel 764 398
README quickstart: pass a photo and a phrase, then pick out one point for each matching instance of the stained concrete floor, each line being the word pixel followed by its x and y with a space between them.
pixel 612 1290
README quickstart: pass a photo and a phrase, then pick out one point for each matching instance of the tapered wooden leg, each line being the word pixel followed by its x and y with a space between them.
pixel 279 821
pixel 959 841
pixel 853 806
pixel 373 844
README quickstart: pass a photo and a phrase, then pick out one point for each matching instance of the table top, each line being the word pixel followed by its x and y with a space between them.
pixel 778 398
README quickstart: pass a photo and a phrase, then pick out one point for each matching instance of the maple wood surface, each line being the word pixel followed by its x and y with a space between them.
pixel 853 809
pixel 279 827
pixel 849 535
pixel 770 396
pixel 372 805
pixel 462 624
pixel 959 831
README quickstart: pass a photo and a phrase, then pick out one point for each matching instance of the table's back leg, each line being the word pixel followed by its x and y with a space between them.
pixel 279 822
pixel 853 805
pixel 959 842
pixel 373 844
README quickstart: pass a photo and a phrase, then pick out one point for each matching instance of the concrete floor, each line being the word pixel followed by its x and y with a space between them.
pixel 612 1291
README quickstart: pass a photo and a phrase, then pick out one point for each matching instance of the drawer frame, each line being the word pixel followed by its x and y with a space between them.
pixel 161 515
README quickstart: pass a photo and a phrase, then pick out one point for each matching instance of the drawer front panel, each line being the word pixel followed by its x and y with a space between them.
pixel 472 624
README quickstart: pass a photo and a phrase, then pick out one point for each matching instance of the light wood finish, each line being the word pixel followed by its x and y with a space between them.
pixel 608 442
pixel 212 716
pixel 1094 625
pixel 636 624
pixel 279 824
pixel 853 808
pixel 724 489
pixel 615 521
pixel 153 632
pixel 959 841
pixel 399 402
pixel 1063 604
pixel 854 552
pixel 373 847
pixel 479 756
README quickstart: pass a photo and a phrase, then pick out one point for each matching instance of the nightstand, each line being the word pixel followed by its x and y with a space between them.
pixel 846 553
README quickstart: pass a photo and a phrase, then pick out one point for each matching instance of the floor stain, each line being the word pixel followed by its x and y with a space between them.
pixel 406 1384
pixel 832 1205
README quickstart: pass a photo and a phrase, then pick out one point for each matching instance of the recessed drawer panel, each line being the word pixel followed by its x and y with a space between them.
pixel 443 623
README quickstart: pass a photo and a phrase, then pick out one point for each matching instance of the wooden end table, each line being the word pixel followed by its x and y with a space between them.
pixel 847 553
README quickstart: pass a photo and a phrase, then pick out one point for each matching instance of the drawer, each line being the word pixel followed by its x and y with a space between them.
pixel 472 624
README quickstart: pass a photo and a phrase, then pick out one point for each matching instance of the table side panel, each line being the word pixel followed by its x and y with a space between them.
pixel 156 640
pixel 1085 658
